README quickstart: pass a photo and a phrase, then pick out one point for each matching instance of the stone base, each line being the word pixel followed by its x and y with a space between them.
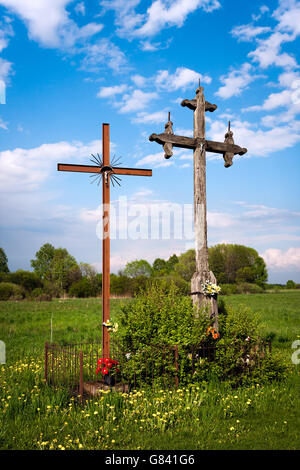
pixel 96 388
pixel 202 301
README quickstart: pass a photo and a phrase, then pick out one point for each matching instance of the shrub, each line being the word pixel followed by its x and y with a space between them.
pixel 248 288
pixel 8 290
pixel 228 289
pixel 160 315
pixel 82 288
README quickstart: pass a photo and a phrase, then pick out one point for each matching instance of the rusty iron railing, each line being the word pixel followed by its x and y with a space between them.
pixel 73 365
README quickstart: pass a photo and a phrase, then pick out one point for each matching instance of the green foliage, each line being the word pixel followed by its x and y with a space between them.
pixel 248 288
pixel 228 289
pixel 43 260
pixel 10 291
pixel 291 285
pixel 119 285
pixel 186 265
pixel 26 279
pixel 138 268
pixel 3 262
pixel 237 263
pixel 83 288
pixel 160 315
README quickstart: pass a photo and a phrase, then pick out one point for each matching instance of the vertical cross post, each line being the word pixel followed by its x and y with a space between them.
pixel 200 212
pixel 105 242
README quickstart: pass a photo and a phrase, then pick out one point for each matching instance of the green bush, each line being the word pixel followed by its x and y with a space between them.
pixel 82 288
pixel 248 288
pixel 228 289
pixel 10 291
pixel 160 315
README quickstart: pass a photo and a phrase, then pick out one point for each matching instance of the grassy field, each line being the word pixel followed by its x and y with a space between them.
pixel 208 416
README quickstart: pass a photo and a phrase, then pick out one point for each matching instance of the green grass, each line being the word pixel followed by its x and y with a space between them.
pixel 207 416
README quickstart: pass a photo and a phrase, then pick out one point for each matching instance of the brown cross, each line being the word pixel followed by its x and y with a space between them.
pixel 107 172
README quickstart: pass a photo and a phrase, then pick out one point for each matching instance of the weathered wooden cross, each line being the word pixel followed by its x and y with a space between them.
pixel 200 146
pixel 106 171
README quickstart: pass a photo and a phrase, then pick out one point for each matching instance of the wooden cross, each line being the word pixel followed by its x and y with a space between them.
pixel 200 145
pixel 105 171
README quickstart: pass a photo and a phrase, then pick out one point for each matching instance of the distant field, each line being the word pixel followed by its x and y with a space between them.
pixel 209 416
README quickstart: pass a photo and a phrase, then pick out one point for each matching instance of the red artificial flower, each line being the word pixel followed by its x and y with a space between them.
pixel 98 370
pixel 104 371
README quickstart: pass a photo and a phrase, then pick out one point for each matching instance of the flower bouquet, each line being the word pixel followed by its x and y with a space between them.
pixel 210 289
pixel 108 368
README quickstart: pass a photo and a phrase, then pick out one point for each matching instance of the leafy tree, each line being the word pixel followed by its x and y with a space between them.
pixel 290 284
pixel 172 261
pixel 3 262
pixel 26 279
pixel 159 266
pixel 186 265
pixel 61 265
pixel 120 285
pixel 138 268
pixel 82 288
pixel 228 262
pixel 43 261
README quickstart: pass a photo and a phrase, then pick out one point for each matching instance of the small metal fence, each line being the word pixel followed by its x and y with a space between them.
pixel 74 366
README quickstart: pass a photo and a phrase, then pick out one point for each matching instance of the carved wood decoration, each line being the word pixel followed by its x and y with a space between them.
pixel 200 146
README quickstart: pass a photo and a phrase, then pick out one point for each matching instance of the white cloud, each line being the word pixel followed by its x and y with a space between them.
pixel 80 8
pixel 136 101
pixel 269 52
pixel 48 22
pixel 276 258
pixel 147 118
pixel 248 32
pixel 181 78
pixel 26 169
pixel 3 125
pixel 103 52
pixel 139 80
pixel 155 159
pixel 236 81
pixel 160 14
pixel 289 98
pixel 110 91
pixel 259 142
pixel 5 69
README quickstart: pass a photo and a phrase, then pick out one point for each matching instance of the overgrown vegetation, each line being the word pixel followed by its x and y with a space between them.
pixel 239 270
pixel 208 414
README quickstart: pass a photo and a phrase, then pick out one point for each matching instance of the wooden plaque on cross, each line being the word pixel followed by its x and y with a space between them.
pixel 107 171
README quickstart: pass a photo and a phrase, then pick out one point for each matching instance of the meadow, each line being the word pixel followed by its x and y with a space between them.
pixel 202 416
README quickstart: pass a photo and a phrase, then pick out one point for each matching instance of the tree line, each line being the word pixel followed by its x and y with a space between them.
pixel 56 272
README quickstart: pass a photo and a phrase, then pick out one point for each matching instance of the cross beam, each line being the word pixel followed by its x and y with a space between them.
pixel 106 172
pixel 200 145
pixel 181 141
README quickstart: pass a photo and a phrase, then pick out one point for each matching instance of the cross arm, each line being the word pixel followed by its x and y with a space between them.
pixel 78 168
pixel 132 171
pixel 192 104
pixel 99 169
pixel 192 143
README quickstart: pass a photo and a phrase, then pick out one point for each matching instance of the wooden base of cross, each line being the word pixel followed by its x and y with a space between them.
pixel 106 172
pixel 200 145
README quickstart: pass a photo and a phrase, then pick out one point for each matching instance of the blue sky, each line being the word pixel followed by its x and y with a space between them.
pixel 69 65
